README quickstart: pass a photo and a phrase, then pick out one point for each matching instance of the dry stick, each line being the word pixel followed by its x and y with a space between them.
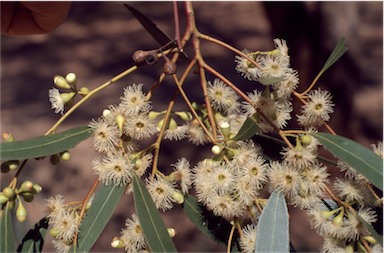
pixel 177 26
pixel 231 237
pixel 246 98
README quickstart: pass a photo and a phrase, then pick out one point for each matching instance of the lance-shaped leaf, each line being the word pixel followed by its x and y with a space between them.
pixel 44 145
pixel 355 155
pixel 7 239
pixel 155 232
pixel 98 215
pixel 273 227
pixel 337 52
pixel 247 130
pixel 33 241
pixel 371 230
pixel 216 228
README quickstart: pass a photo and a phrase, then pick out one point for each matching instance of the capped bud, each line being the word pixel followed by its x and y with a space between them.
pixel 7 137
pixel 120 120
pixel 178 197
pixel 71 78
pixel 21 212
pixel 169 67
pixel 26 186
pixel 186 116
pixel 216 149
pixel 339 218
pixel 117 243
pixel 60 82
pixel 349 249
pixel 159 125
pixel 27 196
pixel 370 239
pixel 171 232
pixel 54 159
pixel 3 198
pixel 67 96
pixel 13 165
pixel 9 193
pixel 225 129
pixel 153 114
pixel 140 56
pixel 138 163
pixel 36 188
pixel 106 113
pixel 172 124
pixel 54 232
pixel 65 156
pixel 305 140
pixel 83 91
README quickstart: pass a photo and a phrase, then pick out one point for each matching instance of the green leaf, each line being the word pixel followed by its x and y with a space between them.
pixel 155 232
pixel 371 230
pixel 337 52
pixel 355 155
pixel 44 145
pixel 272 230
pixel 98 216
pixel 33 241
pixel 247 130
pixel 7 239
pixel 216 228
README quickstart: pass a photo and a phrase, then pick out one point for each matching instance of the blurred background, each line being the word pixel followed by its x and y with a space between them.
pixel 97 40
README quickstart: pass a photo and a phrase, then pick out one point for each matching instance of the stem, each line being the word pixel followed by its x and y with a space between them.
pixel 312 84
pixel 177 26
pixel 223 44
pixel 90 94
pixel 231 237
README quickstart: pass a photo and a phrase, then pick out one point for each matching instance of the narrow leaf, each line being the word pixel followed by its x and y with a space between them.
pixel 150 27
pixel 33 241
pixel 214 227
pixel 153 226
pixel 337 52
pixel 7 239
pixel 355 155
pixel 98 216
pixel 247 130
pixel 44 145
pixel 272 230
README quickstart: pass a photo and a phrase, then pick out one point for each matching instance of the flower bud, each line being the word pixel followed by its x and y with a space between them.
pixel 117 243
pixel 36 188
pixel 186 116
pixel 178 197
pixel 67 96
pixel 370 239
pixel 21 213
pixel 26 186
pixel 153 114
pixel 54 159
pixel 83 91
pixel 339 218
pixel 305 140
pixel 349 249
pixel 54 232
pixel 9 193
pixel 216 149
pixel 65 156
pixel 225 129
pixel 13 165
pixel 120 120
pixel 27 196
pixel 159 125
pixel 60 82
pixel 171 232
pixel 3 198
pixel 71 78
pixel 7 137
pixel 172 124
